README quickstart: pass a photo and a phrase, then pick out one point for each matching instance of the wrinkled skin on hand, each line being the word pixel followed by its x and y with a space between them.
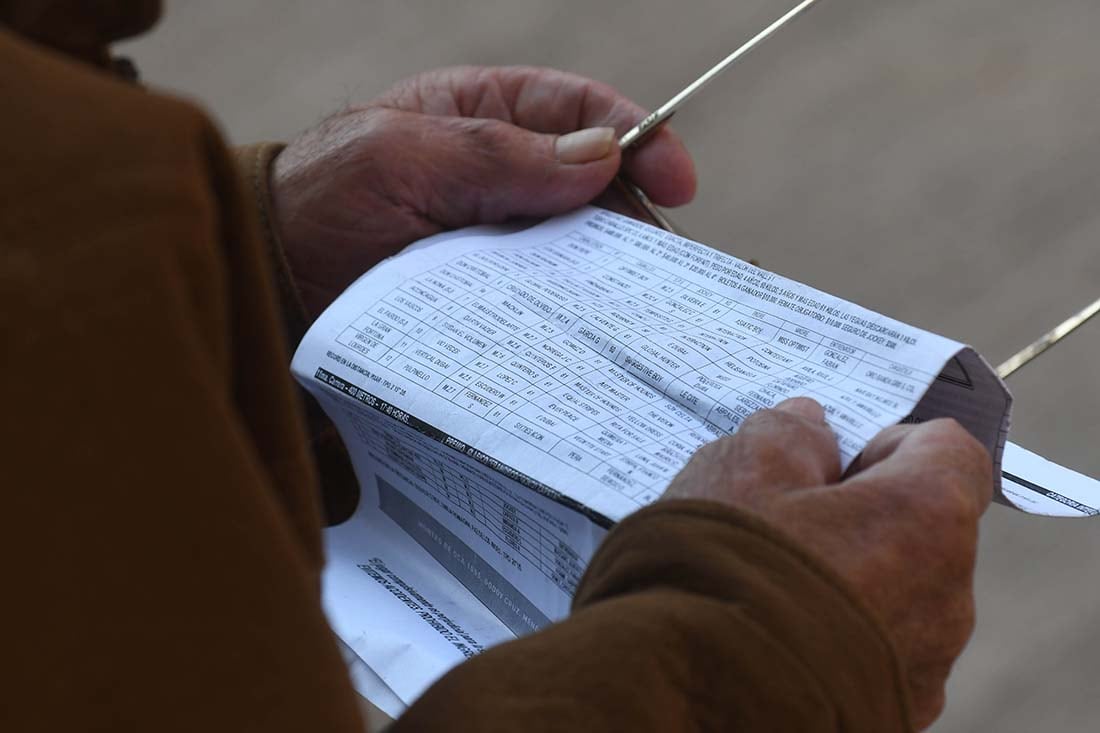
pixel 448 149
pixel 901 527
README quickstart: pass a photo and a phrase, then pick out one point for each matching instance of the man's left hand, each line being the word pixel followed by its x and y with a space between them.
pixel 452 148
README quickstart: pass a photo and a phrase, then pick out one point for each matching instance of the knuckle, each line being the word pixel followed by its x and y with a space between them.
pixel 951 523
pixel 780 425
pixel 957 444
pixel 754 455
pixel 947 428
pixel 955 498
pixel 709 453
pixel 715 455
pixel 763 420
pixel 952 492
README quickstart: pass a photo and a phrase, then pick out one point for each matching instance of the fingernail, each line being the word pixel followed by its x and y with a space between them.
pixel 585 146
pixel 803 407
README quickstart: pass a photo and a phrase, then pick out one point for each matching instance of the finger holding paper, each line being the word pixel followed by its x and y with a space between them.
pixel 901 529
pixel 453 148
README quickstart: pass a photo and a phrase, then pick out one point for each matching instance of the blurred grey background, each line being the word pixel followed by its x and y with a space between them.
pixel 935 160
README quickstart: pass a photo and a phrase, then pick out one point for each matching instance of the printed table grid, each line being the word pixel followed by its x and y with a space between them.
pixel 465 289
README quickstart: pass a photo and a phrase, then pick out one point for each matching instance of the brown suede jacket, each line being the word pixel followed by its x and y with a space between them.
pixel 161 532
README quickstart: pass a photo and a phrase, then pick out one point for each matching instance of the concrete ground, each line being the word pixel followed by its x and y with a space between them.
pixel 936 160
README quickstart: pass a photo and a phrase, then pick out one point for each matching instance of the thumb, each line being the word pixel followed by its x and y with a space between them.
pixel 804 407
pixel 485 170
pixel 774 452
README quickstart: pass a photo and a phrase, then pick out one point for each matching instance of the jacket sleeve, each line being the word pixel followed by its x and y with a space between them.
pixel 692 616
pixel 339 488
pixel 160 528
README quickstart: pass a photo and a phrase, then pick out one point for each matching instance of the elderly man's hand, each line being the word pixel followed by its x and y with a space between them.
pixel 451 148
pixel 901 527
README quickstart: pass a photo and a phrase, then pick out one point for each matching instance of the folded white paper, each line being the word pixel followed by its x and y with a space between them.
pixel 507 395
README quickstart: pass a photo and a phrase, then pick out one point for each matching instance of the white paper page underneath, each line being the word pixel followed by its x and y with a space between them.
pixel 595 354
pixel 397 610
pixel 1031 483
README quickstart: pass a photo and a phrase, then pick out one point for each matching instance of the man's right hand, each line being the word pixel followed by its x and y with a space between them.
pixel 901 527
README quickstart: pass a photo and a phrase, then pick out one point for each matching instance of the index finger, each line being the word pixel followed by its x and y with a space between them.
pixel 661 165
pixel 551 101
pixel 913 455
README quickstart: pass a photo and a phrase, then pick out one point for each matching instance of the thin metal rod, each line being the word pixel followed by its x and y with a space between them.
pixel 638 198
pixel 1056 334
pixel 666 110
